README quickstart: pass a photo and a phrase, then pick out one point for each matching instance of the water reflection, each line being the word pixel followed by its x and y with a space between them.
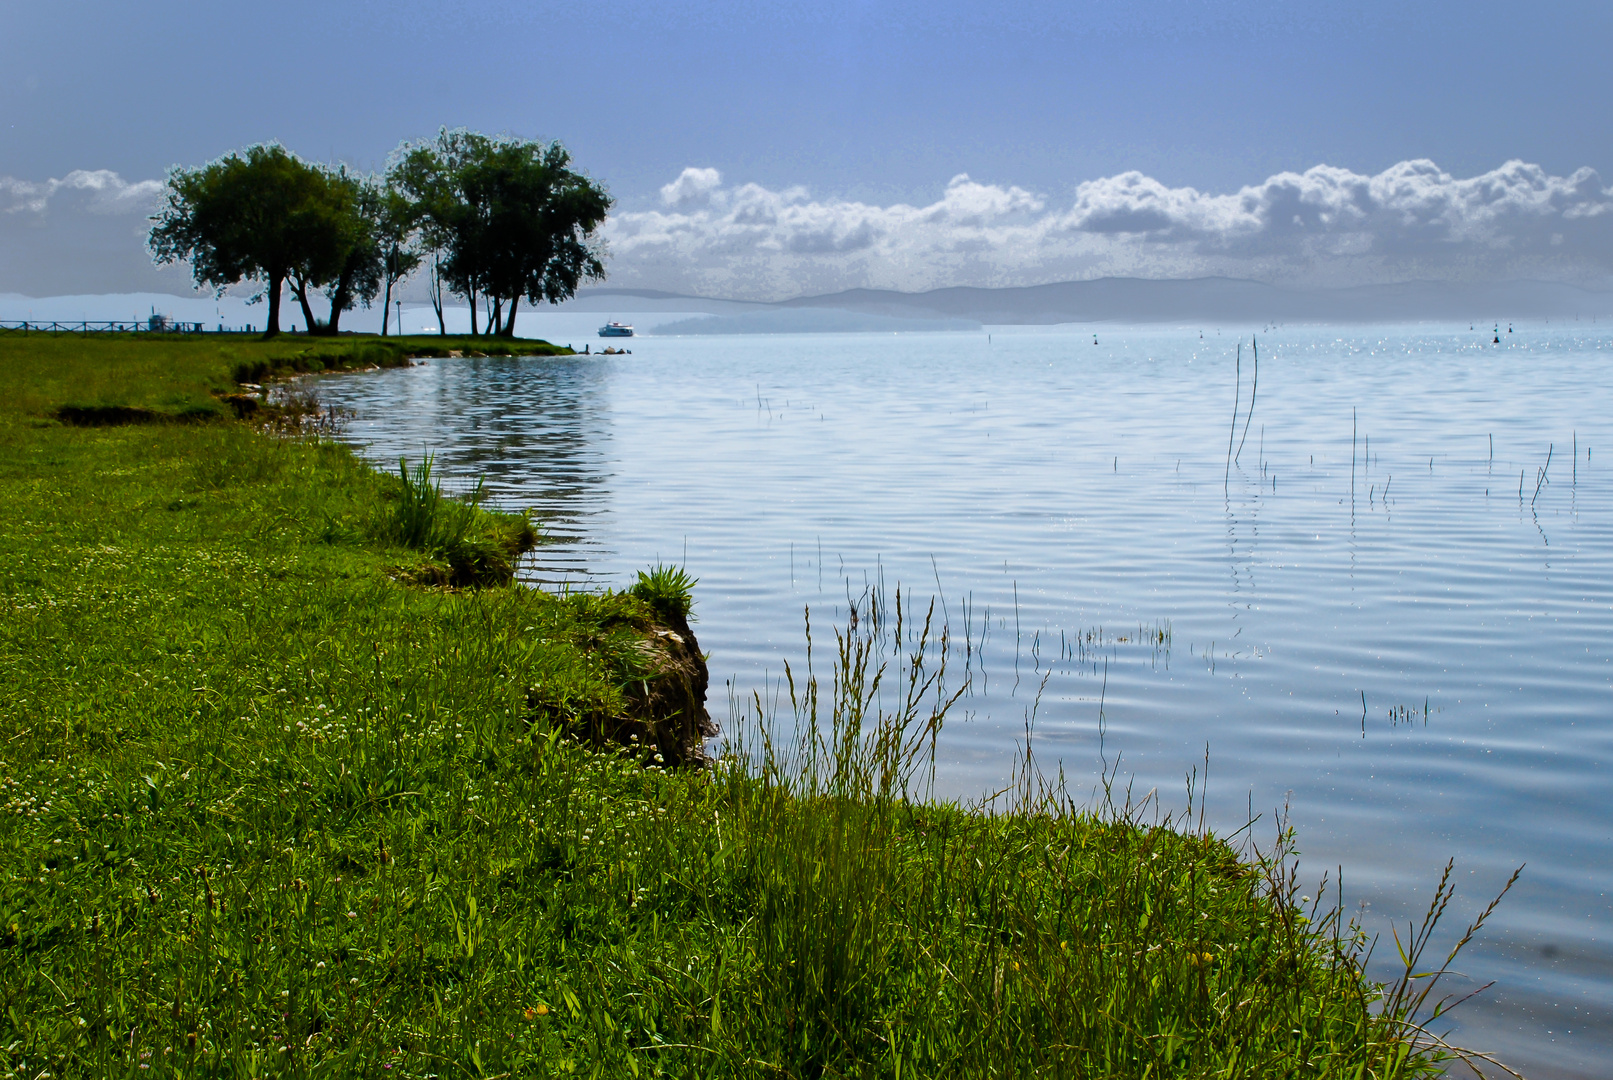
pixel 537 429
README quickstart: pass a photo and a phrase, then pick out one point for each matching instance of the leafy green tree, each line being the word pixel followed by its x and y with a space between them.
pixel 397 224
pixel 262 214
pixel 430 176
pixel 347 256
pixel 506 218
pixel 246 217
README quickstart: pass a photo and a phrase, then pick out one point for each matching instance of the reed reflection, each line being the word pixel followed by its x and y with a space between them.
pixel 537 430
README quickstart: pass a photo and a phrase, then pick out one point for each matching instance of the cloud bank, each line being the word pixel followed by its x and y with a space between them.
pixel 84 233
pixel 103 192
pixel 1325 226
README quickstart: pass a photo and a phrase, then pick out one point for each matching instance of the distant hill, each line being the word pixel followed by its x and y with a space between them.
pixel 1202 300
pixel 809 320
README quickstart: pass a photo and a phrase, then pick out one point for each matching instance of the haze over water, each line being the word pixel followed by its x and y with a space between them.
pixel 1422 670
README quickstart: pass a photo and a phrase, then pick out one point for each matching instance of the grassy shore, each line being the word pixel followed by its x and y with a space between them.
pixel 273 803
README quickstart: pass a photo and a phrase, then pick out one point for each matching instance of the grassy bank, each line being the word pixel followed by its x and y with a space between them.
pixel 123 378
pixel 269 806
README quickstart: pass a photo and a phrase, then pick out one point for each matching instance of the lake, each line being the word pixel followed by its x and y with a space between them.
pixel 1388 611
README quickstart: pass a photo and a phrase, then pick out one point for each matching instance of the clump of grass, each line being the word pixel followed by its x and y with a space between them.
pixel 668 590
pixel 651 701
pixel 422 518
pixel 477 545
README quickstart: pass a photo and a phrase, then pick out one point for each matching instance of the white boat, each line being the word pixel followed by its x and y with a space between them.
pixel 616 329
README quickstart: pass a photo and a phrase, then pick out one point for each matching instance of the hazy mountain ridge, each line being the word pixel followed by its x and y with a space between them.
pixel 801 319
pixel 1207 300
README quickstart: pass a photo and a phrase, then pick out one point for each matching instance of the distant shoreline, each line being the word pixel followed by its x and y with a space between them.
pixel 1208 300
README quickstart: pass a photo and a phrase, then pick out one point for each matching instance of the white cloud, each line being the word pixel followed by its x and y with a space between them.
pixel 99 191
pixel 84 232
pixel 693 187
pixel 1326 225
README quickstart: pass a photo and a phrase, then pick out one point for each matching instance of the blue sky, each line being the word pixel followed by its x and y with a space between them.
pixel 875 105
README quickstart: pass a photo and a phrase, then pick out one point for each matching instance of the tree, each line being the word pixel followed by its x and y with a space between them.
pixel 506 218
pixel 431 177
pixel 355 208
pixel 245 217
pixel 263 215
pixel 338 247
pixel 400 256
pixel 500 218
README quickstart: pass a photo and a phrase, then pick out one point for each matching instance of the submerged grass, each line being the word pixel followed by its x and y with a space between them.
pixel 266 810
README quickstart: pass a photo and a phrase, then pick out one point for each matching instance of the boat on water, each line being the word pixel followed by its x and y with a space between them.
pixel 616 329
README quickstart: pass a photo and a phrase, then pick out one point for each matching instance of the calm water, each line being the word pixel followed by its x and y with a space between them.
pixel 1423 668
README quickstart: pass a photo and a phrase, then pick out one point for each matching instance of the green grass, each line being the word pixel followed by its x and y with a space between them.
pixel 467 543
pixel 181 377
pixel 267 808
pixel 667 589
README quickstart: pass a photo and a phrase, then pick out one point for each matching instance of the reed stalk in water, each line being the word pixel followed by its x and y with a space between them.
pixel 1254 390
pixel 1237 397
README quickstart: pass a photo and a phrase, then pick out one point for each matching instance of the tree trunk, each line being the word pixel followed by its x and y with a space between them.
pixel 277 282
pixel 300 290
pixel 339 302
pixel 341 298
pixel 509 327
pixel 436 299
pixel 386 307
pixel 472 297
pixel 495 318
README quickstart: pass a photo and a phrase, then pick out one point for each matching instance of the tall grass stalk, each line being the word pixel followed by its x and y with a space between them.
pixel 423 518
pixel 897 934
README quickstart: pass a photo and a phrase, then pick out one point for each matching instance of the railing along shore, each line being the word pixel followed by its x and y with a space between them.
pixel 110 326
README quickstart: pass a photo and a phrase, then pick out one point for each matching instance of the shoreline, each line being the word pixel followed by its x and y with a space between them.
pixel 282 797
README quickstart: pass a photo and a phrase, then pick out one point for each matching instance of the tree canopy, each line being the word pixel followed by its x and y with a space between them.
pixel 244 217
pixel 507 218
pixel 500 218
pixel 264 215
